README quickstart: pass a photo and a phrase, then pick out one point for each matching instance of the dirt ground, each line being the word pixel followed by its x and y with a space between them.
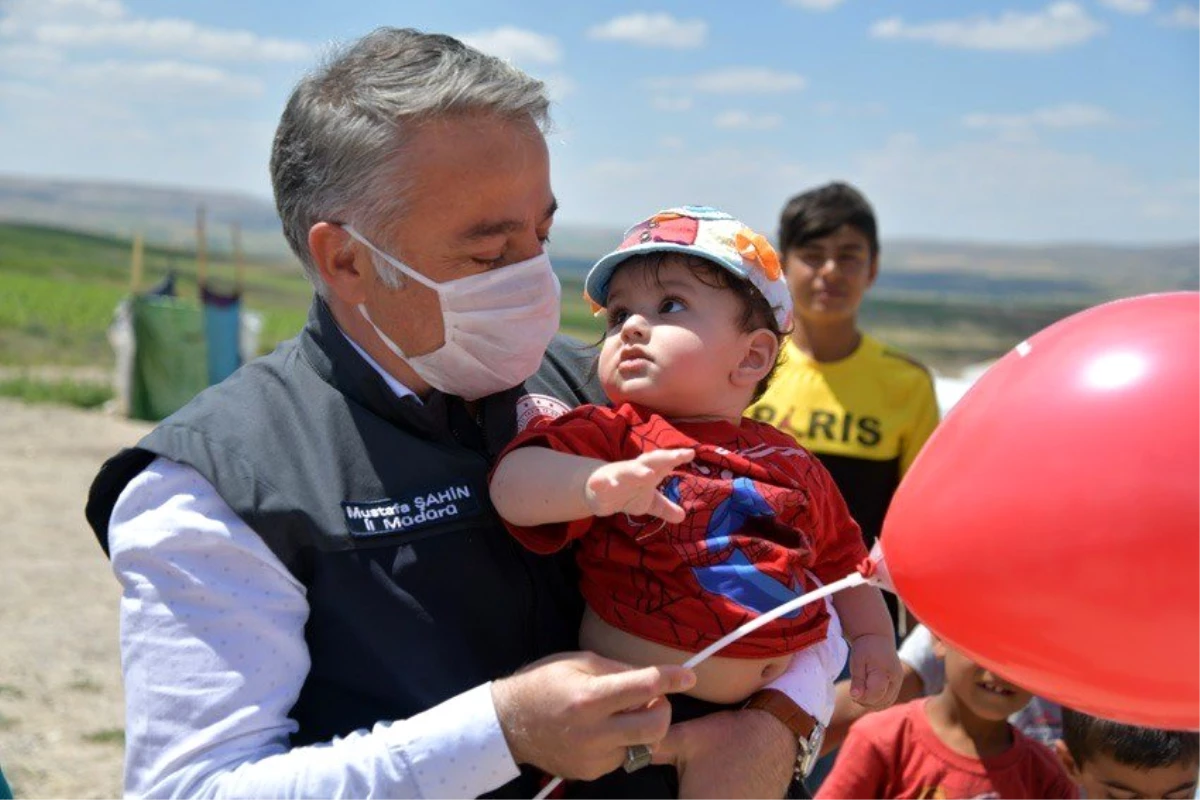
pixel 61 712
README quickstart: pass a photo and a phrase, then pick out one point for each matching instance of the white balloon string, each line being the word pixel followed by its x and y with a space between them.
pixel 547 789
pixel 848 582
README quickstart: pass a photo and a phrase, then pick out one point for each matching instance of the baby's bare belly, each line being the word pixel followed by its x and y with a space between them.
pixel 718 679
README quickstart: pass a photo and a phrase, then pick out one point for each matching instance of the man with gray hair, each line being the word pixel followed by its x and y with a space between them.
pixel 319 600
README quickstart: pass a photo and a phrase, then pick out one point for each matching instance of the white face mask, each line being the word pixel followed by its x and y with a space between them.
pixel 497 325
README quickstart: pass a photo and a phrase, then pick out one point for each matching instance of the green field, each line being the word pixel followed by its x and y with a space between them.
pixel 58 289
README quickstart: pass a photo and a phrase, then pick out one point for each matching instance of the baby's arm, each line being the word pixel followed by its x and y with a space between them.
pixel 538 486
pixel 875 673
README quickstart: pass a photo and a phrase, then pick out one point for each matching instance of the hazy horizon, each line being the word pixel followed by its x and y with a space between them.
pixel 267 203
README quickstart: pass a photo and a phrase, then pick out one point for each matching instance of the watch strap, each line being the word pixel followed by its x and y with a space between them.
pixel 784 709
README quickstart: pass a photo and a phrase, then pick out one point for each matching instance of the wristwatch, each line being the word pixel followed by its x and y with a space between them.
pixel 809 733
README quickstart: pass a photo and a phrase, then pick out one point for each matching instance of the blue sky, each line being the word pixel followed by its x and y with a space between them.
pixel 1010 121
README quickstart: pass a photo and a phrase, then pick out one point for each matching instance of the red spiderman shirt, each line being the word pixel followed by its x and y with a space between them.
pixel 762 513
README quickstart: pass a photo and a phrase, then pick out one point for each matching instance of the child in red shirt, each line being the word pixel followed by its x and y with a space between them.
pixel 955 744
pixel 691 519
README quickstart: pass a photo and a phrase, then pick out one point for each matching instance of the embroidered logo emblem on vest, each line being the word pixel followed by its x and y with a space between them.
pixel 432 507
pixel 532 407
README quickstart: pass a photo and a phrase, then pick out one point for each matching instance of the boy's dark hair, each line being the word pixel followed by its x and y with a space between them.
pixel 756 311
pixel 1141 748
pixel 821 211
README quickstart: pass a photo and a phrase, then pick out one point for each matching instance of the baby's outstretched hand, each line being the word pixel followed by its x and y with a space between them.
pixel 875 673
pixel 632 486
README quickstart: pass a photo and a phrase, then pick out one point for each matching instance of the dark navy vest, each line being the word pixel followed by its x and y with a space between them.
pixel 379 506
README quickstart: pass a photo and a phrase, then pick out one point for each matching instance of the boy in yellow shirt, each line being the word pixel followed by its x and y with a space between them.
pixel 865 409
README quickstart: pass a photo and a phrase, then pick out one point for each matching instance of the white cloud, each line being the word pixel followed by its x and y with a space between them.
pixel 671 102
pixel 162 79
pixel 18 17
pixel 516 44
pixel 558 85
pixel 743 120
pixel 179 37
pixel 735 80
pixel 1129 6
pixel 97 9
pixel 24 15
pixel 815 5
pixel 619 169
pixel 829 108
pixel 1067 115
pixel 1058 25
pixel 749 79
pixel 653 30
pixel 66 25
pixel 671 142
pixel 19 90
pixel 1182 16
pixel 28 58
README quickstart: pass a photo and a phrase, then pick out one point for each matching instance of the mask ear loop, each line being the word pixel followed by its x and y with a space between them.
pixel 392 261
pixel 395 348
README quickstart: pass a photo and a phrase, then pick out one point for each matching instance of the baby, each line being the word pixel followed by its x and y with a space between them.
pixel 691 519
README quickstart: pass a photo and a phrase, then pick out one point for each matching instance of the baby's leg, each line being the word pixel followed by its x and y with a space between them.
pixel 810 677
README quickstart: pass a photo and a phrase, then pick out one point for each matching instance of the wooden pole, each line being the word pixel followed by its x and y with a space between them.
pixel 239 265
pixel 201 251
pixel 135 276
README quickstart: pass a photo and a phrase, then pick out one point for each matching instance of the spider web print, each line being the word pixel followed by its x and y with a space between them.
pixel 701 487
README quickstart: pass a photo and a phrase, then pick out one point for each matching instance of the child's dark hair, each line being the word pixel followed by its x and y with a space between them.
pixel 821 211
pixel 756 311
pixel 1141 748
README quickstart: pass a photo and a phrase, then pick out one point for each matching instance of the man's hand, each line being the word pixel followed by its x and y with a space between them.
pixel 574 714
pixel 875 672
pixel 632 486
pixel 731 754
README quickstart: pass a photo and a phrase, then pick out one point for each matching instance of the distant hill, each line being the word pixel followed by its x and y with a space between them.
pixel 163 215
pixel 1059 270
pixel 925 268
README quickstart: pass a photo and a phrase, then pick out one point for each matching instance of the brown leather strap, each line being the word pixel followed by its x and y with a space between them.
pixel 784 709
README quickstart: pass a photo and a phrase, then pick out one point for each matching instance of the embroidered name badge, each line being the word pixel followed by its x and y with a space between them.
pixel 432 507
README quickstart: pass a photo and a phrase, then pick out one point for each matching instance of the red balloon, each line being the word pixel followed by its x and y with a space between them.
pixel 1050 528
